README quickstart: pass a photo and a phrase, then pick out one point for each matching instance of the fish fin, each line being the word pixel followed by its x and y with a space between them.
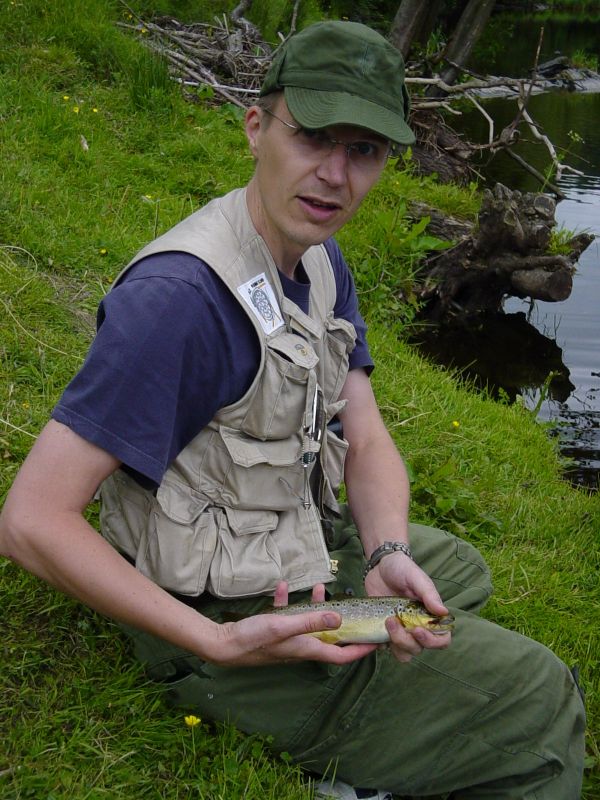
pixel 329 637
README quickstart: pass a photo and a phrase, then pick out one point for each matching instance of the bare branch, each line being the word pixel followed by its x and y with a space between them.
pixel 558 165
pixel 294 18
pixel 536 174
pixel 242 23
pixel 480 108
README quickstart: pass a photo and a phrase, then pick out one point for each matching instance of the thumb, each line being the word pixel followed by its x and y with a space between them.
pixel 433 602
pixel 430 597
pixel 308 622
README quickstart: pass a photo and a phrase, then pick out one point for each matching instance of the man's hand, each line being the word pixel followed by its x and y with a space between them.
pixel 396 574
pixel 276 638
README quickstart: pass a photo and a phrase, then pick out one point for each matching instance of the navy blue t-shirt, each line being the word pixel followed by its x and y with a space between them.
pixel 173 347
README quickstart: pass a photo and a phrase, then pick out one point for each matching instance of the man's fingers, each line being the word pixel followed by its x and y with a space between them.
pixel 403 641
pixel 408 644
pixel 432 641
pixel 318 593
pixel 433 603
pixel 280 598
pixel 429 596
pixel 309 622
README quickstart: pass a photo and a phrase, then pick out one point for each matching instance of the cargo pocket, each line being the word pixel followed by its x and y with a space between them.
pixel 256 467
pixel 246 560
pixel 278 403
pixel 124 511
pixel 179 541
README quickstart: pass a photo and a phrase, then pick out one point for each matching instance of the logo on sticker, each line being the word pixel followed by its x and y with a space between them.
pixel 259 296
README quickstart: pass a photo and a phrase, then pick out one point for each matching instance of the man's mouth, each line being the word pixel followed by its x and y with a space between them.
pixel 322 205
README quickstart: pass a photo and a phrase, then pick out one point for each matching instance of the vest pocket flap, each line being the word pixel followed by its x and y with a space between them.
pixel 333 409
pixel 247 452
pixel 294 348
pixel 242 521
pixel 179 502
pixel 341 331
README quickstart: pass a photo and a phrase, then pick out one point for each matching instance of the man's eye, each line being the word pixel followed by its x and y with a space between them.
pixel 311 134
pixel 365 149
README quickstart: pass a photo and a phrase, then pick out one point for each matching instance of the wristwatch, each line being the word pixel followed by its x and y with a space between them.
pixel 384 550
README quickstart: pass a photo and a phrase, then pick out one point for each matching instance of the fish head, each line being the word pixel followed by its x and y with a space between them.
pixel 414 615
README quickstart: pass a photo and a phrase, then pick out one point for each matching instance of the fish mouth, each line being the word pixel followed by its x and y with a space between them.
pixel 442 625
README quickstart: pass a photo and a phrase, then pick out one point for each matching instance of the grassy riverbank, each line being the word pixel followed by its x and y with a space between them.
pixel 99 153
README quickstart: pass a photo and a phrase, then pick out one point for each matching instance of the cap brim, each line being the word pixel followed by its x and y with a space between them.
pixel 320 109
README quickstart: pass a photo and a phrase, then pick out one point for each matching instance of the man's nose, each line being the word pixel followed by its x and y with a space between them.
pixel 333 167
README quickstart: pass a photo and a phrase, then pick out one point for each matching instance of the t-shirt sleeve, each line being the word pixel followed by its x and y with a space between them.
pixel 346 307
pixel 161 365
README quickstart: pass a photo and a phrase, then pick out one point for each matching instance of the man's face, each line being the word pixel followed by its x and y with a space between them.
pixel 304 190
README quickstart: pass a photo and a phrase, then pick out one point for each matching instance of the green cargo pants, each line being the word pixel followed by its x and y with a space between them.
pixel 496 715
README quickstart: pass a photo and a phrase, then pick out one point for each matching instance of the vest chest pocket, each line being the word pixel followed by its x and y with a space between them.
pixel 257 473
pixel 178 542
pixel 276 409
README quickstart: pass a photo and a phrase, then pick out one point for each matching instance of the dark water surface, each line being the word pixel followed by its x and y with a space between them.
pixel 508 353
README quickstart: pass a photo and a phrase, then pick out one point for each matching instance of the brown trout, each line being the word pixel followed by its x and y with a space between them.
pixel 363 618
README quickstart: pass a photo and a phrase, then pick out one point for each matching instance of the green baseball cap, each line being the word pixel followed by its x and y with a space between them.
pixel 342 73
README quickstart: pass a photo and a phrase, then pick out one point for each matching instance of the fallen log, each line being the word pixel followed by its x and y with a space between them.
pixel 549 286
pixel 504 254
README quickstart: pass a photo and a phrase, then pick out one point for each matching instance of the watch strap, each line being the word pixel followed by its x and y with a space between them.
pixel 384 550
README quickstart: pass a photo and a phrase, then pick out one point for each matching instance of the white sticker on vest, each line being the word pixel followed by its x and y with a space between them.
pixel 260 297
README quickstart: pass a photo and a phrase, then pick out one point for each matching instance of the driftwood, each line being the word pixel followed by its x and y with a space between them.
pixel 440 150
pixel 505 254
pixel 228 55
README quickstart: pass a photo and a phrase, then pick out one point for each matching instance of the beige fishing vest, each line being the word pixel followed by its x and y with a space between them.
pixel 234 515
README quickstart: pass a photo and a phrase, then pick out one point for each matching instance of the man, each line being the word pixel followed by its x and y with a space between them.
pixel 228 354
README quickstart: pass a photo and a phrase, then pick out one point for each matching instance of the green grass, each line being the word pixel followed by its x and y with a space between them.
pixel 82 191
pixel 585 60
pixel 79 720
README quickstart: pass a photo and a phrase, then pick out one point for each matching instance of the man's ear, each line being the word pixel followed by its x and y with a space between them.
pixel 252 122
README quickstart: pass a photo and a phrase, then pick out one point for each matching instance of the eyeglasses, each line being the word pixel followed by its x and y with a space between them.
pixel 366 154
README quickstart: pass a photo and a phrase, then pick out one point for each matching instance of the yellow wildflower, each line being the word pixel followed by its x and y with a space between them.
pixel 76 109
pixel 191 720
pixel 95 110
pixel 66 96
pixel 103 251
pixel 455 423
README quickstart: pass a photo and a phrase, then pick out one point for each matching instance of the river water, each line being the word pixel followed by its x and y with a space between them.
pixel 566 334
